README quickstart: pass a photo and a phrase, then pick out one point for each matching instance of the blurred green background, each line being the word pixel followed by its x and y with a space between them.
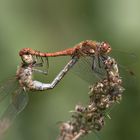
pixel 51 25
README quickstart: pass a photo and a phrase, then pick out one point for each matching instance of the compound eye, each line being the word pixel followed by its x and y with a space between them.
pixel 105 47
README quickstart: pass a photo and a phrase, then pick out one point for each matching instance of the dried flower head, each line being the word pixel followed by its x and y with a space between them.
pixel 103 95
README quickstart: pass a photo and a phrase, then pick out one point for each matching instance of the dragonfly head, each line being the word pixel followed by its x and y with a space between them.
pixel 104 48
pixel 27 59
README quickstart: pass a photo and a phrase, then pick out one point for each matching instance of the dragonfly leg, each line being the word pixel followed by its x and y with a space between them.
pixel 99 62
pixel 94 65
pixel 40 71
pixel 38 65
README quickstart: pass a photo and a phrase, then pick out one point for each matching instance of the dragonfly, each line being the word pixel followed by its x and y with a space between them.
pixel 23 82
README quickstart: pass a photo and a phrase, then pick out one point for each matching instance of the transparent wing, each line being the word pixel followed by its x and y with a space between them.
pixel 41 65
pixel 17 104
pixel 127 62
pixel 124 58
pixel 8 87
pixel 89 69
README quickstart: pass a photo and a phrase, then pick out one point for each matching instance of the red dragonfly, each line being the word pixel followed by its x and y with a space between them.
pixel 84 48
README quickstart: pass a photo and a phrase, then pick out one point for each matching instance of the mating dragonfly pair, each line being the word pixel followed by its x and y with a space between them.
pixel 24 82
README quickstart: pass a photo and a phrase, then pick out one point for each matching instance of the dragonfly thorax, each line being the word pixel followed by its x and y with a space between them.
pixel 24 76
pixel 92 48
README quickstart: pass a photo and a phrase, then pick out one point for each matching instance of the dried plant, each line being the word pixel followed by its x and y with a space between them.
pixel 102 96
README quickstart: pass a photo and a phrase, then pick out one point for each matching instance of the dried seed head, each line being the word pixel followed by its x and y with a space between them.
pixel 103 95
